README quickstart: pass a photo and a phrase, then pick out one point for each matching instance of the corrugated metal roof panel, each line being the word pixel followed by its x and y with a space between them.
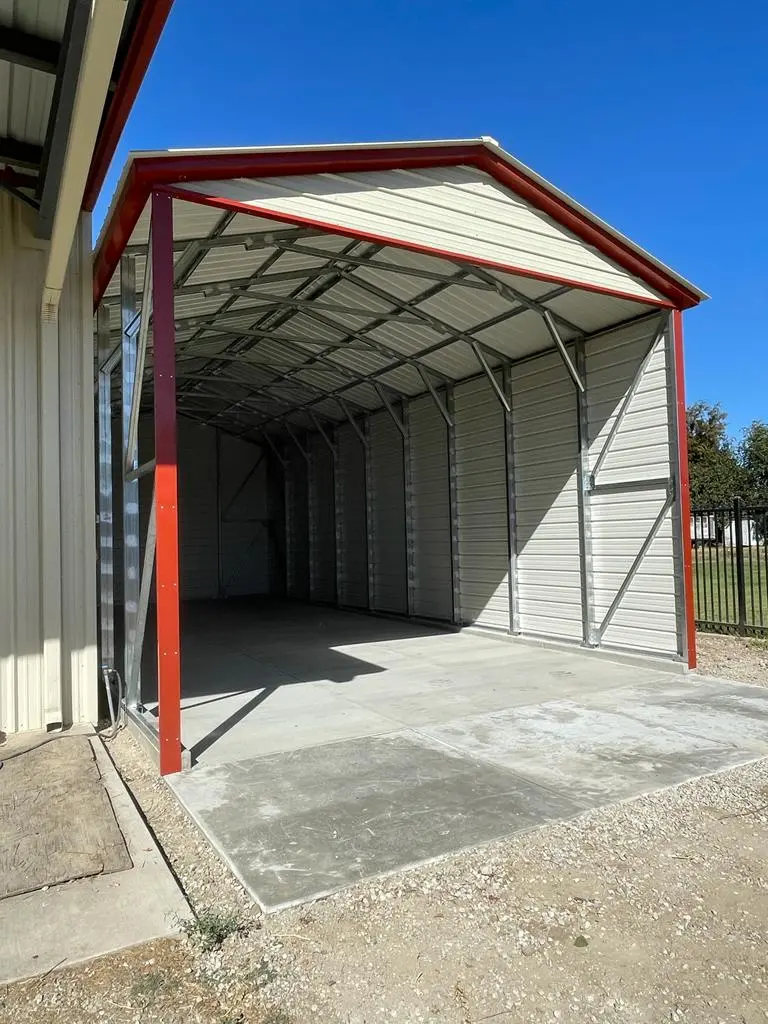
pixel 459 210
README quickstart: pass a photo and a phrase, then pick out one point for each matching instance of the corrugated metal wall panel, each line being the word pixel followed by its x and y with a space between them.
pixel 430 511
pixel 322 523
pixel 245 518
pixel 544 427
pixel 441 208
pixel 646 618
pixel 198 561
pixel 352 529
pixel 482 506
pixel 388 505
pixel 22 580
pixel 297 524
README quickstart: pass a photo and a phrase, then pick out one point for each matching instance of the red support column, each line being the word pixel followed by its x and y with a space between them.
pixel 166 499
pixel 685 491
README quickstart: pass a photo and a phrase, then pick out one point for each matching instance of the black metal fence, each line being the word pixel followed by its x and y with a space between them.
pixel 730 568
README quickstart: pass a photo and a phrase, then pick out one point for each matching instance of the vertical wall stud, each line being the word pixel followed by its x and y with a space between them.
pixel 589 631
pixel 369 535
pixel 166 488
pixel 453 498
pixel 288 494
pixel 220 593
pixel 106 531
pixel 130 489
pixel 410 541
pixel 338 513
pixel 310 468
pixel 509 448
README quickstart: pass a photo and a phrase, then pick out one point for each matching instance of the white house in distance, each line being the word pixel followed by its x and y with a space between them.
pixel 69 73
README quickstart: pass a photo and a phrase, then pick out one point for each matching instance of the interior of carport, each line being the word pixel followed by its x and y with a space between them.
pixel 384 395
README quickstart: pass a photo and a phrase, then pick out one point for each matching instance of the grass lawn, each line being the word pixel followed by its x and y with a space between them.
pixel 714 585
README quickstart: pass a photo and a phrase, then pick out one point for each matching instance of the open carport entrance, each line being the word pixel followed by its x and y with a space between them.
pixel 433 387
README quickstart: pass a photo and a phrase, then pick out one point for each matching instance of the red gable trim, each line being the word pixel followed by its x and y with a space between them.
pixel 149 172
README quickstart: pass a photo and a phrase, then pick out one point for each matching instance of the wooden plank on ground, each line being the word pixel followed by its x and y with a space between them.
pixel 57 820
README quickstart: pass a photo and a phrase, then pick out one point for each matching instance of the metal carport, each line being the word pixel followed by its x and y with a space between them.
pixel 469 388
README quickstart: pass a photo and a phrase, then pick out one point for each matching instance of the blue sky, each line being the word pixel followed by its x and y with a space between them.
pixel 652 115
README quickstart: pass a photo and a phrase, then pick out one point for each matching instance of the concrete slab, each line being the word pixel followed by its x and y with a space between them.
pixel 91 916
pixel 300 825
pixel 343 746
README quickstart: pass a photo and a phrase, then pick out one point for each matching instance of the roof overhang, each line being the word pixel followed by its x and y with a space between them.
pixel 44 56
pixel 146 171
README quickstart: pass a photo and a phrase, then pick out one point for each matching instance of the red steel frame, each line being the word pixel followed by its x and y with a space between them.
pixel 156 185
pixel 166 487
pixel 685 488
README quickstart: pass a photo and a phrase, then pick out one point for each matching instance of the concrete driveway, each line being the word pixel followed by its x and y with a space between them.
pixel 454 739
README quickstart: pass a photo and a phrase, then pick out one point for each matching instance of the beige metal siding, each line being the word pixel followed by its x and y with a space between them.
pixel 388 508
pixel 459 210
pixel 544 427
pixel 622 518
pixel 22 580
pixel 482 506
pixel 353 544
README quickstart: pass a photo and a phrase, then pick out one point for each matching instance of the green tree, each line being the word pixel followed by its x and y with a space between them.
pixel 713 463
pixel 753 452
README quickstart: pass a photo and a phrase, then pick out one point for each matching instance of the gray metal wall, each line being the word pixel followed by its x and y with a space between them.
pixel 369 525
pixel 628 400
pixel 296 524
pixel 322 521
pixel 225 544
pixel 429 511
pixel 483 544
pixel 544 429
pixel 352 531
pixel 496 521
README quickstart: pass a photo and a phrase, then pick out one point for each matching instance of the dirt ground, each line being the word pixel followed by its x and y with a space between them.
pixel 653 910
pixel 733 657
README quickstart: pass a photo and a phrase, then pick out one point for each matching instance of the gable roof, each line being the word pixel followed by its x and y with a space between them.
pixel 184 168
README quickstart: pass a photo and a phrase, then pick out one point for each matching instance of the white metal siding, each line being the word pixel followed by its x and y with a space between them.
pixel 353 543
pixel 245 527
pixel 621 518
pixel 430 511
pixel 482 506
pixel 297 524
pixel 545 437
pixel 459 210
pixel 388 505
pixel 322 525
pixel 22 580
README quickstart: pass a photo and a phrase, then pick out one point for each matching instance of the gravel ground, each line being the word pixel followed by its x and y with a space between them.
pixel 733 657
pixel 652 910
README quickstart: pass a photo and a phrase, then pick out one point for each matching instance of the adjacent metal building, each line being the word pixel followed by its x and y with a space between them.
pixel 411 379
pixel 69 72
